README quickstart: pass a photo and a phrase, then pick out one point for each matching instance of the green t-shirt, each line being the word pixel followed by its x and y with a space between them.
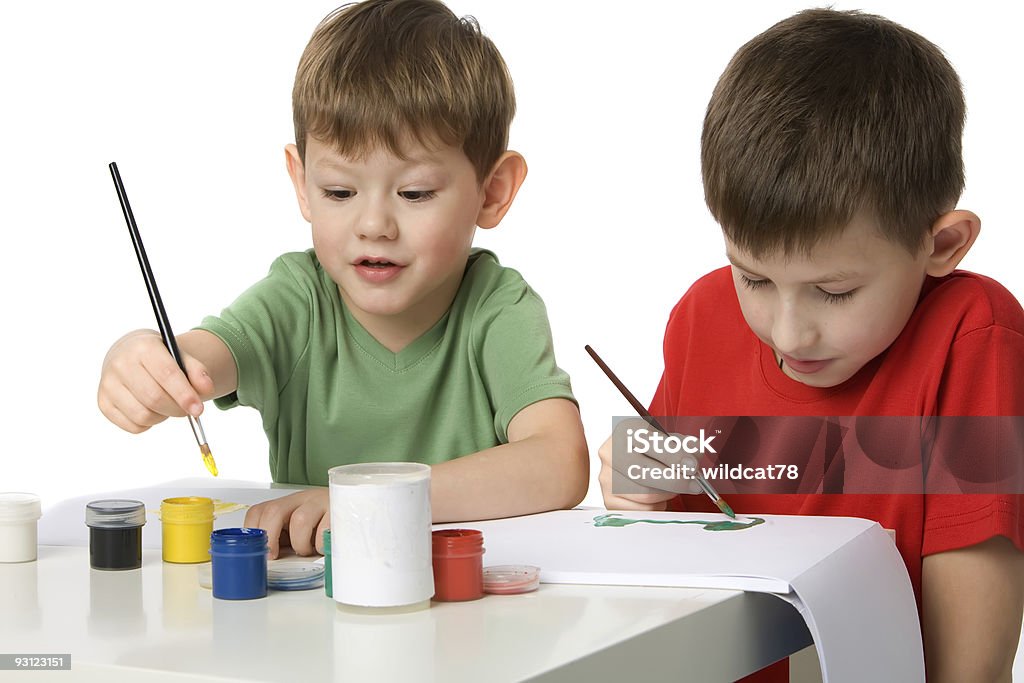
pixel 331 394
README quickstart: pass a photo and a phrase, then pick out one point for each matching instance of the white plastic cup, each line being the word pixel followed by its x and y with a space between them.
pixel 380 535
pixel 19 517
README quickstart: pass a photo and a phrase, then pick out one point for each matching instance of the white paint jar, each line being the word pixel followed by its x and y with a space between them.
pixel 380 535
pixel 19 516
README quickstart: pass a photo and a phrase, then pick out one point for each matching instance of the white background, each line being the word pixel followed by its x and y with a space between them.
pixel 193 102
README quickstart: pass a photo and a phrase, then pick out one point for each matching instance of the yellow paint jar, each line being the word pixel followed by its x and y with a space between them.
pixel 187 524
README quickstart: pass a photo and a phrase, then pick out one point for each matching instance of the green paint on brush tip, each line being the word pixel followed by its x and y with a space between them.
pixel 724 507
pixel 615 519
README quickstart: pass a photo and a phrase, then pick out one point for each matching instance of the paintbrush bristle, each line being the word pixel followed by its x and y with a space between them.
pixel 208 459
pixel 724 507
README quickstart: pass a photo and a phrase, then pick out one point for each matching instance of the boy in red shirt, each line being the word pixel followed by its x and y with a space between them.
pixel 831 158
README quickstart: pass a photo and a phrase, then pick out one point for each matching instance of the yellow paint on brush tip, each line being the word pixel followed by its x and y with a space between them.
pixel 208 459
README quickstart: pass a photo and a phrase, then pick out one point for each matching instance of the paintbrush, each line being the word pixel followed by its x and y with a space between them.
pixel 158 309
pixel 705 485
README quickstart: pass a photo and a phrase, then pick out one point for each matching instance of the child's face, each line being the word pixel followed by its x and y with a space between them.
pixel 394 234
pixel 828 314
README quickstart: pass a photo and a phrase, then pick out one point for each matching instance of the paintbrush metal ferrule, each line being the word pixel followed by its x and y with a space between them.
pixel 204 448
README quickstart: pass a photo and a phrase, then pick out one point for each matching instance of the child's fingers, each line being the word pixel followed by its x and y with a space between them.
pixel 266 517
pixel 114 414
pixel 173 394
pixel 198 377
pixel 137 417
pixel 301 528
pixel 627 503
pixel 325 524
pixel 642 498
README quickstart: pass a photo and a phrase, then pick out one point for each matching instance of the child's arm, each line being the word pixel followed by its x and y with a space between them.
pixel 141 385
pixel 972 602
pixel 544 466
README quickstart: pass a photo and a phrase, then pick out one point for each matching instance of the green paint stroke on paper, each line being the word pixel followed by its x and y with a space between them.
pixel 615 519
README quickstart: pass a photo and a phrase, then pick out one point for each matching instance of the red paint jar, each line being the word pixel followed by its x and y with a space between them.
pixel 458 564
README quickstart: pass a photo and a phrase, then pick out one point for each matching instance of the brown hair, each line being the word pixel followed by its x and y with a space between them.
pixel 390 72
pixel 825 114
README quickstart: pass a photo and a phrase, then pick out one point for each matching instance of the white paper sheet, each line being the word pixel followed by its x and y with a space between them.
pixel 843 575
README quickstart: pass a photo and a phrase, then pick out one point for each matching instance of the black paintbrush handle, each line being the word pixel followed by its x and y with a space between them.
pixel 147 272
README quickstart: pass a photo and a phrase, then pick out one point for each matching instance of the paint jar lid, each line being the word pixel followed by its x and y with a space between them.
pixel 238 541
pixel 456 543
pixel 508 579
pixel 292 575
pixel 378 473
pixel 19 507
pixel 186 510
pixel 115 513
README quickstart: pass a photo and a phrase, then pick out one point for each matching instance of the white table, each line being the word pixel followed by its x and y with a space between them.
pixel 157 624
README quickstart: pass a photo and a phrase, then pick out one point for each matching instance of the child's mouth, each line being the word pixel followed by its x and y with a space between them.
pixel 375 270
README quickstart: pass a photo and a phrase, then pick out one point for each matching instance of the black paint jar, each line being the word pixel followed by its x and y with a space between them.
pixel 115 533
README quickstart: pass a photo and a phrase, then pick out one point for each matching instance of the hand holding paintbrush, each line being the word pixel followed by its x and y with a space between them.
pixel 704 484
pixel 117 411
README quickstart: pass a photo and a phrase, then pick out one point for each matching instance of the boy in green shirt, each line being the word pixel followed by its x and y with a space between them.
pixel 392 339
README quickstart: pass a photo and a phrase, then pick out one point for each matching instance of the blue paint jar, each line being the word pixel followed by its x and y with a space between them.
pixel 239 563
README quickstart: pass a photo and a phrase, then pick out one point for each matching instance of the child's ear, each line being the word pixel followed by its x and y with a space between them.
pixel 297 172
pixel 952 236
pixel 500 188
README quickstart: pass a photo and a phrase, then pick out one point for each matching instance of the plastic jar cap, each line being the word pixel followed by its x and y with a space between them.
pixel 507 579
pixel 378 473
pixel 291 575
pixel 115 513
pixel 241 538
pixel 19 507
pixel 186 510
pixel 457 542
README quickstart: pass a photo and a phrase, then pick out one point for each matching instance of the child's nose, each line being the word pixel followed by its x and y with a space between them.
pixel 793 330
pixel 376 222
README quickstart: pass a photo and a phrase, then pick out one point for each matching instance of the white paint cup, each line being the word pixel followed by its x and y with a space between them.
pixel 380 535
pixel 19 516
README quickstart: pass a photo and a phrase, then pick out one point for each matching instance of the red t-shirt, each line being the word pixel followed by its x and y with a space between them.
pixel 961 353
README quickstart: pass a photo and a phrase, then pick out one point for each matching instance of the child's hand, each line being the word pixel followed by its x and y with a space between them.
pixel 141 385
pixel 298 520
pixel 618 476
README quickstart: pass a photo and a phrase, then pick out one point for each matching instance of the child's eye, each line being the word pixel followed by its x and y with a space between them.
pixel 754 284
pixel 339 194
pixel 837 297
pixel 417 195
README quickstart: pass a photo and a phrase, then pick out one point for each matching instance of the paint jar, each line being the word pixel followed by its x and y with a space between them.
pixel 380 536
pixel 239 563
pixel 458 565
pixel 115 533
pixel 327 564
pixel 19 518
pixel 187 524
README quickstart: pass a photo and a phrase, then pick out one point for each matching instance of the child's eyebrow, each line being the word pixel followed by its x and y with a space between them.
pixel 837 276
pixel 425 162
